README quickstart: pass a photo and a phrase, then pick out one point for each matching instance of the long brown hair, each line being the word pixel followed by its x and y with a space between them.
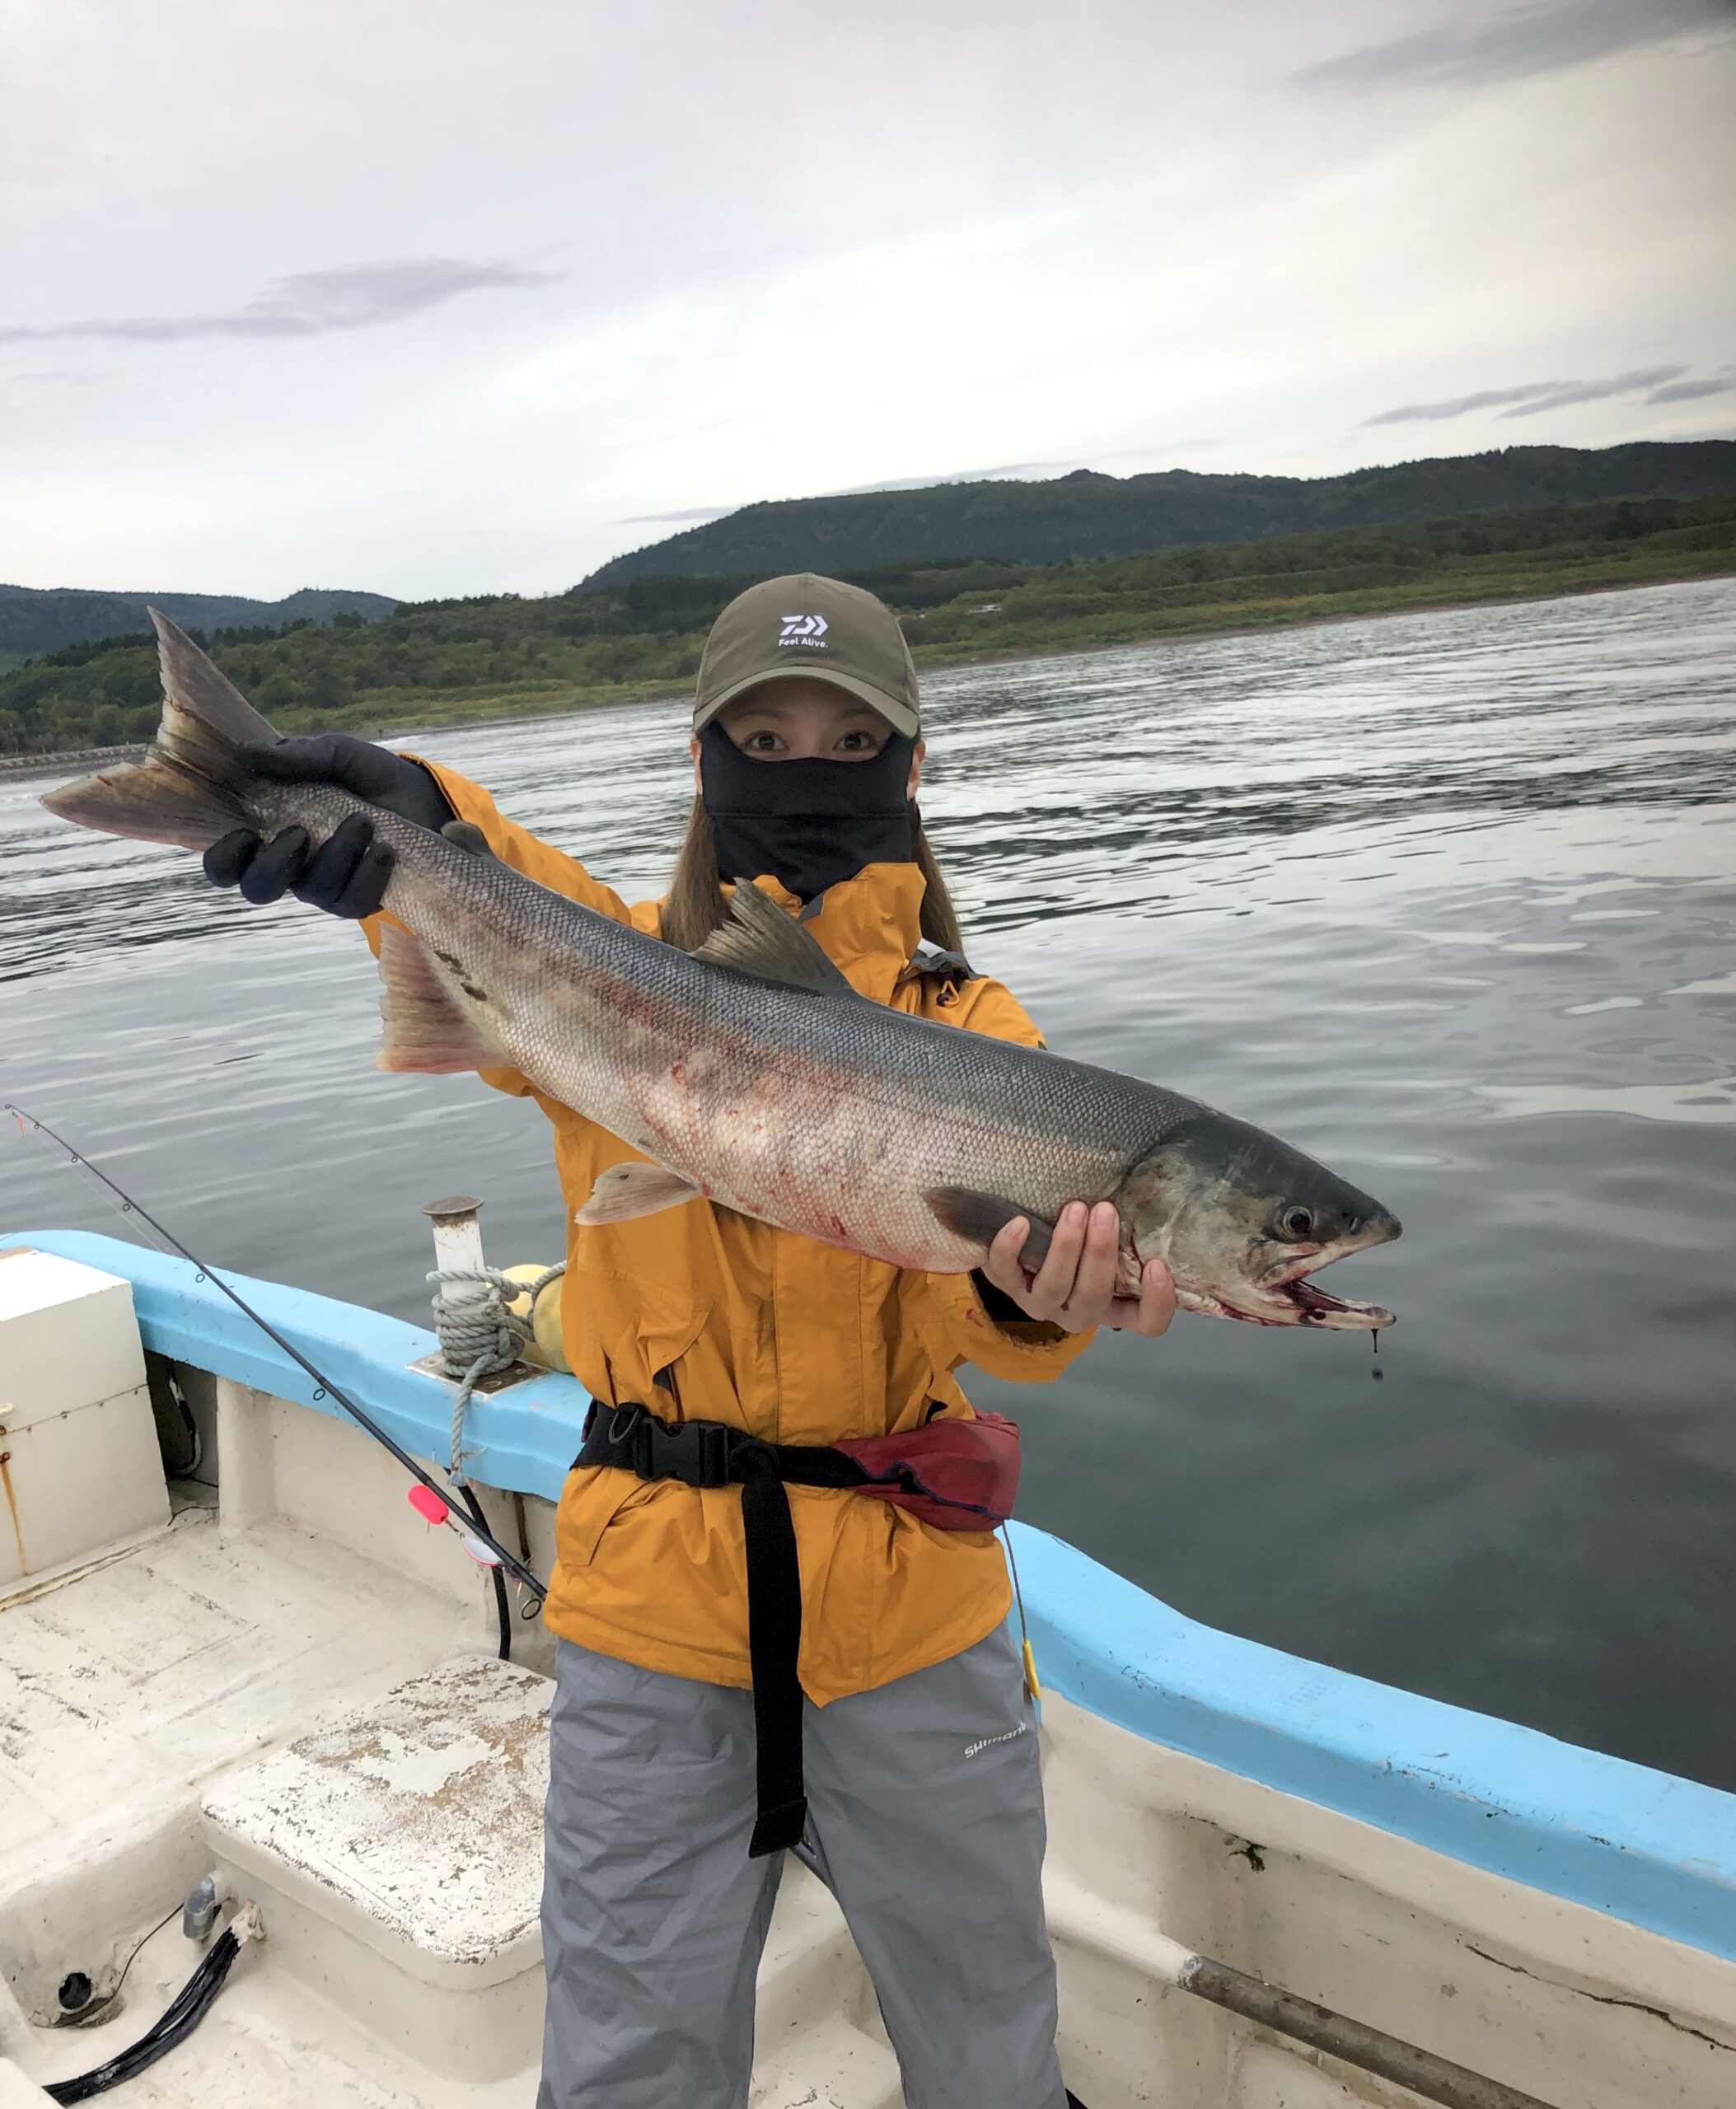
pixel 695 906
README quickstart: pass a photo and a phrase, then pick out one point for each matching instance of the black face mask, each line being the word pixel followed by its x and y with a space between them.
pixel 810 823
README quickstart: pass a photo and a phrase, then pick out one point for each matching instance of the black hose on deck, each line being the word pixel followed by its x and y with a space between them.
pixel 182 2016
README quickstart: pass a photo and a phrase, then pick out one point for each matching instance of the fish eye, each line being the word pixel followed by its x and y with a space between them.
pixel 1297 1221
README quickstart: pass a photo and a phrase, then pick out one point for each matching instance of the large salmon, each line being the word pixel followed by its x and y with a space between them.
pixel 751 1073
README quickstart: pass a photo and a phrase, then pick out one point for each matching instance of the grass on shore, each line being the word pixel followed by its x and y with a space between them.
pixel 452 662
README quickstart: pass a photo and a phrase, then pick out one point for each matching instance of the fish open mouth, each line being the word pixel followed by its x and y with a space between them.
pixel 1297 1302
pixel 1319 1306
pixel 1287 1294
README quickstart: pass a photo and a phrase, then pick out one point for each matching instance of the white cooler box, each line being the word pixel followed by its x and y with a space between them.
pixel 80 1468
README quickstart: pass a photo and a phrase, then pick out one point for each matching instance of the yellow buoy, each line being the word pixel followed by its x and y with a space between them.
pixel 545 1347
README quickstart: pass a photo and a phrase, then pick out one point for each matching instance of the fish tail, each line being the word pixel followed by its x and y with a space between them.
pixel 190 788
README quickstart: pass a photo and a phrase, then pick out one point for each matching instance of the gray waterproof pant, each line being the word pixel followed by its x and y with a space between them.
pixel 926 1809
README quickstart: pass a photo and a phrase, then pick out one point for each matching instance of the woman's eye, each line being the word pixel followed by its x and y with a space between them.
pixel 1297 1221
pixel 858 743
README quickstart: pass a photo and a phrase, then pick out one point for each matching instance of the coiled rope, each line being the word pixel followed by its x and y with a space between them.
pixel 479 1334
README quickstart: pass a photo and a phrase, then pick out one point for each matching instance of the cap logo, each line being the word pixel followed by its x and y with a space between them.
pixel 803 629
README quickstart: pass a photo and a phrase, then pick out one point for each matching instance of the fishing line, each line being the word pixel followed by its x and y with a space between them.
pixel 447 1500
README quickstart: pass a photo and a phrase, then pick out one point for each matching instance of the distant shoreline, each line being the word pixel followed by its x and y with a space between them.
pixel 939 658
pixel 1324 619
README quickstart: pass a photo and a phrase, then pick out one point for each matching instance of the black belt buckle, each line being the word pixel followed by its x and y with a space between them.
pixel 696 1452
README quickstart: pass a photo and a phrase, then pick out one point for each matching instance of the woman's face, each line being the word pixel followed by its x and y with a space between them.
pixel 798 719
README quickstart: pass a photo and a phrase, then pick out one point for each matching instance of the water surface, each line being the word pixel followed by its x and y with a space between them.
pixel 1448 900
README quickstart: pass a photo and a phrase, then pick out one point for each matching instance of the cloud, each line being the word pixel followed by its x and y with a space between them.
pixel 1456 406
pixel 1511 45
pixel 28 395
pixel 1686 391
pixel 1040 469
pixel 307 304
pixel 665 519
pixel 1161 450
pixel 1569 392
pixel 693 513
pixel 52 378
pixel 1529 398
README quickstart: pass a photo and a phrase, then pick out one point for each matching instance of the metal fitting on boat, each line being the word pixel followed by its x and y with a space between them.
pixel 203 1901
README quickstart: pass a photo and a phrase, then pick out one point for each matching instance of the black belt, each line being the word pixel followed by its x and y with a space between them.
pixel 710 1453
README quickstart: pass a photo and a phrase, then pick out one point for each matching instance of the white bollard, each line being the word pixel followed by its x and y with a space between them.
pixel 457 1233
pixel 457 1248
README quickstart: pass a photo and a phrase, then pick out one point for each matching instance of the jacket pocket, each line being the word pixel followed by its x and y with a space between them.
pixel 666 1326
pixel 628 1327
pixel 663 1327
pixel 593 1498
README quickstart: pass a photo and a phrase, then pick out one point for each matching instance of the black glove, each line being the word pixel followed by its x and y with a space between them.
pixel 346 874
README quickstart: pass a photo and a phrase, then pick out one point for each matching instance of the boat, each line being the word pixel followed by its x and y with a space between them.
pixel 270 1790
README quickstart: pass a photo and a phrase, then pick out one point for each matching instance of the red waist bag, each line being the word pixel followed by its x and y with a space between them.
pixel 956 1475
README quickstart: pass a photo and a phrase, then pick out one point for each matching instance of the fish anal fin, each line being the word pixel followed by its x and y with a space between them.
pixel 634 1189
pixel 760 939
pixel 980 1218
pixel 427 1031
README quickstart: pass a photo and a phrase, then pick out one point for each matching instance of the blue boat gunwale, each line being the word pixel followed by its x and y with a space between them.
pixel 1635 1843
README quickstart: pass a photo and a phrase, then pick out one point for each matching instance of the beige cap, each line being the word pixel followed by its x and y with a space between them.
pixel 818 628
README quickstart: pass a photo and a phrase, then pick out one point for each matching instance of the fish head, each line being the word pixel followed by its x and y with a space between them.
pixel 1244 1220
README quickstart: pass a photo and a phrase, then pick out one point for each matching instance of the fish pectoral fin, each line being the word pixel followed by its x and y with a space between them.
pixel 634 1189
pixel 980 1218
pixel 427 1031
pixel 761 940
pixel 466 835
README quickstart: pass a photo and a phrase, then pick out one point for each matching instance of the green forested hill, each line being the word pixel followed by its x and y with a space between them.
pixel 1087 515
pixel 34 619
pixel 440 661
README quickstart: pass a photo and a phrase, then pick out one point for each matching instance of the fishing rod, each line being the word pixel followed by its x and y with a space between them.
pixel 444 1499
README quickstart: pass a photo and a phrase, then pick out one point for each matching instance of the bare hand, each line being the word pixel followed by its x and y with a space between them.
pixel 1075 1287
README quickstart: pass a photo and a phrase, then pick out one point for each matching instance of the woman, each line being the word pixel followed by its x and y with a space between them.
pixel 923 1802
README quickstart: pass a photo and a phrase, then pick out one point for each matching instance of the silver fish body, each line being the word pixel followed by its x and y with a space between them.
pixel 757 1078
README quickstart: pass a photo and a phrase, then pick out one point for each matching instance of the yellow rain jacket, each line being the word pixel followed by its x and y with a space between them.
pixel 702 1314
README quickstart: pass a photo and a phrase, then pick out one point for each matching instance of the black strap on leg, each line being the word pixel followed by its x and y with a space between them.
pixel 711 1454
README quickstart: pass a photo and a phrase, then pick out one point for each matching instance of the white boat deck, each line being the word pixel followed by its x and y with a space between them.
pixel 211 1699
pixel 122 1689
pixel 293 1683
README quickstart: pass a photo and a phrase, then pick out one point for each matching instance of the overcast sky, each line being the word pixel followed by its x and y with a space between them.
pixel 461 298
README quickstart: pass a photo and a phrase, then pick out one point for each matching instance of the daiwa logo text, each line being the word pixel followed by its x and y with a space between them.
pixel 808 630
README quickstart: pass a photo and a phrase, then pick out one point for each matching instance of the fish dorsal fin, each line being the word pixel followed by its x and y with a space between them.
pixel 760 939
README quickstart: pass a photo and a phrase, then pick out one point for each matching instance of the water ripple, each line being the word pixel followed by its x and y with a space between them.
pixel 1450 899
